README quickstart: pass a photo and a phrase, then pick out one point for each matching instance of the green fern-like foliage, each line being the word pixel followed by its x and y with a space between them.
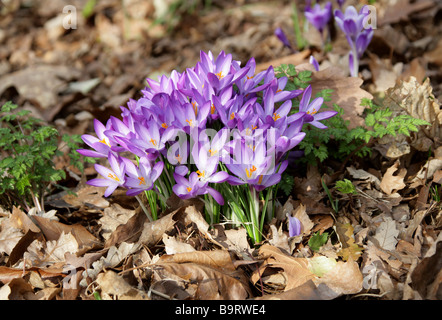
pixel 27 149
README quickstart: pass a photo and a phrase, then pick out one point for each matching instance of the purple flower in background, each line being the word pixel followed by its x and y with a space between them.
pixel 359 37
pixel 319 17
pixel 294 226
pixel 314 63
pixel 112 178
pixel 283 38
pixel 312 108
pixel 340 3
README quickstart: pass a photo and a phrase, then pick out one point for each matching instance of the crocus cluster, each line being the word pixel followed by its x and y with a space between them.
pixel 201 133
pixel 358 36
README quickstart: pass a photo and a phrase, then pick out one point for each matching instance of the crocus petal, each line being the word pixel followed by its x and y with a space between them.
pixel 325 115
pixel 303 105
pixel 110 190
pixel 219 177
pixel 216 195
pixel 294 226
pixel 99 182
pixel 91 153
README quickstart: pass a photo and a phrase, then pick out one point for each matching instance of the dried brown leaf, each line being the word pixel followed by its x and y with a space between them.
pixel 53 230
pixel 87 196
pixel 417 100
pixel 390 182
pixel 114 287
pixel 17 289
pixel 343 278
pixel 306 291
pixel 128 231
pixel 386 234
pixel 40 83
pixel 113 217
pixel 152 232
pixel 350 249
pixel 347 93
pixel 173 245
pixel 213 282
pixel 221 259
pixel 296 270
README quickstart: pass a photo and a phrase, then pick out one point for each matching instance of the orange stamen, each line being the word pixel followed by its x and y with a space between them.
pixel 113 176
pixel 105 142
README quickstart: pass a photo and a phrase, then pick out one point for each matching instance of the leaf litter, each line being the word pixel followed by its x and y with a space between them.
pixel 383 243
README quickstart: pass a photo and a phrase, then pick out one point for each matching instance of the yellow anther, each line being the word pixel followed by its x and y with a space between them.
pixel 195 107
pixel 142 181
pixel 201 174
pixel 189 189
pixel 113 176
pixel 105 142
pixel 164 125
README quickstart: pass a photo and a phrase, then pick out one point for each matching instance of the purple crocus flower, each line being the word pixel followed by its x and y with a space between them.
pixel 142 177
pixel 294 226
pixel 319 17
pixel 148 140
pixel 312 108
pixel 207 165
pixel 279 33
pixel 314 63
pixel 340 3
pixel 218 71
pixel 101 145
pixel 194 187
pixel 254 165
pixel 359 37
pixel 112 178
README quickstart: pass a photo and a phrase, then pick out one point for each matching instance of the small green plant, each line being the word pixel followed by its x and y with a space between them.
pixel 338 141
pixel 346 186
pixel 27 149
pixel 317 240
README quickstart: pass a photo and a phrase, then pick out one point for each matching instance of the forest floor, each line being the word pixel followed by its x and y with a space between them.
pixel 384 240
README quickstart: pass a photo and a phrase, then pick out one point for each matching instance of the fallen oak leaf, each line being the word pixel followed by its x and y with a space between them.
pixel 343 278
pixel 52 230
pixel 174 246
pixel 114 287
pixel 386 234
pixel 390 183
pixel 295 270
pixel 213 272
pixel 350 249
